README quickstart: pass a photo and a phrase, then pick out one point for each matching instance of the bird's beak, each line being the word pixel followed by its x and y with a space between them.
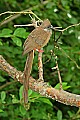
pixel 51 27
pixel 55 28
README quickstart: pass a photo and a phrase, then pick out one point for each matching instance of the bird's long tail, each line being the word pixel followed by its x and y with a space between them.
pixel 27 71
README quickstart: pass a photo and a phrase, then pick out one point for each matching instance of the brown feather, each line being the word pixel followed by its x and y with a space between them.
pixel 38 38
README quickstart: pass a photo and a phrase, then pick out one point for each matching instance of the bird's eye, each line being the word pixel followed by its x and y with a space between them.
pixel 49 26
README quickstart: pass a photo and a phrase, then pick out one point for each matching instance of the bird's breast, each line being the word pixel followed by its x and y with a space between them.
pixel 47 36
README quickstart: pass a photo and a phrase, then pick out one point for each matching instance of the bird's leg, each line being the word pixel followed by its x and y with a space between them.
pixel 39 50
pixel 40 65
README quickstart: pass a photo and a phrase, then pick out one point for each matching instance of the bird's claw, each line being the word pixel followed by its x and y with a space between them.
pixel 39 50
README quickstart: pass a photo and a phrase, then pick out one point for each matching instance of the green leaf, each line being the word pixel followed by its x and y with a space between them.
pixel 21 92
pixel 7 30
pixel 45 100
pixel 14 100
pixel 49 5
pixel 35 95
pixel 0 42
pixel 64 86
pixel 17 41
pixel 64 3
pixel 70 113
pixel 73 20
pixel 2 79
pixel 59 115
pixel 13 96
pixel 1 110
pixel 22 110
pixel 29 92
pixel 6 33
pixel 68 76
pixel 3 96
pixel 21 32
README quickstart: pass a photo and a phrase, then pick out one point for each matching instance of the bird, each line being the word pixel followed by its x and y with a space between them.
pixel 38 38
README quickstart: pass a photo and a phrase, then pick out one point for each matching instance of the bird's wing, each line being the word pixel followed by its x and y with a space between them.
pixel 40 36
pixel 36 39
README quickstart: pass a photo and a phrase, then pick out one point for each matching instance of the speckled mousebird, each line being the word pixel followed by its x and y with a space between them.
pixel 37 39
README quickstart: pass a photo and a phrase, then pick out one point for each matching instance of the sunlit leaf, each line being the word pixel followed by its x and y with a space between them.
pixel 1 110
pixel 14 100
pixel 64 86
pixel 3 95
pixel 29 92
pixel 6 33
pixel 45 100
pixel 21 92
pixel 59 115
pixel 17 41
pixel 21 32
pixel 0 42
pixel 2 79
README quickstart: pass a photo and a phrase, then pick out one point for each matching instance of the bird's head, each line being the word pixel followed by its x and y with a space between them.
pixel 46 24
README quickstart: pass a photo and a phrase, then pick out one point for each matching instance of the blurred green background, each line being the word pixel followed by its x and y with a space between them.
pixel 61 13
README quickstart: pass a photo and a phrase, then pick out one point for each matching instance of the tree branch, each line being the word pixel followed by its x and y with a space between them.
pixel 15 15
pixel 40 86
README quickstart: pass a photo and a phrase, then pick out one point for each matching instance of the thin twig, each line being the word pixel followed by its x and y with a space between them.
pixel 23 25
pixel 58 37
pixel 14 16
pixel 8 83
pixel 22 12
pixel 71 26
pixel 57 67
pixel 54 28
pixel 69 57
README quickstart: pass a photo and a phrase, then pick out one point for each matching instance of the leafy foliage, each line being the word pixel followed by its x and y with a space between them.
pixel 61 13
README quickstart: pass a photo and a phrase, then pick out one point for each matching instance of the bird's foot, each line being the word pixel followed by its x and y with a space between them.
pixel 39 50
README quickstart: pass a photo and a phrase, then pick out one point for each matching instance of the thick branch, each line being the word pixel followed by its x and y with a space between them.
pixel 41 87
